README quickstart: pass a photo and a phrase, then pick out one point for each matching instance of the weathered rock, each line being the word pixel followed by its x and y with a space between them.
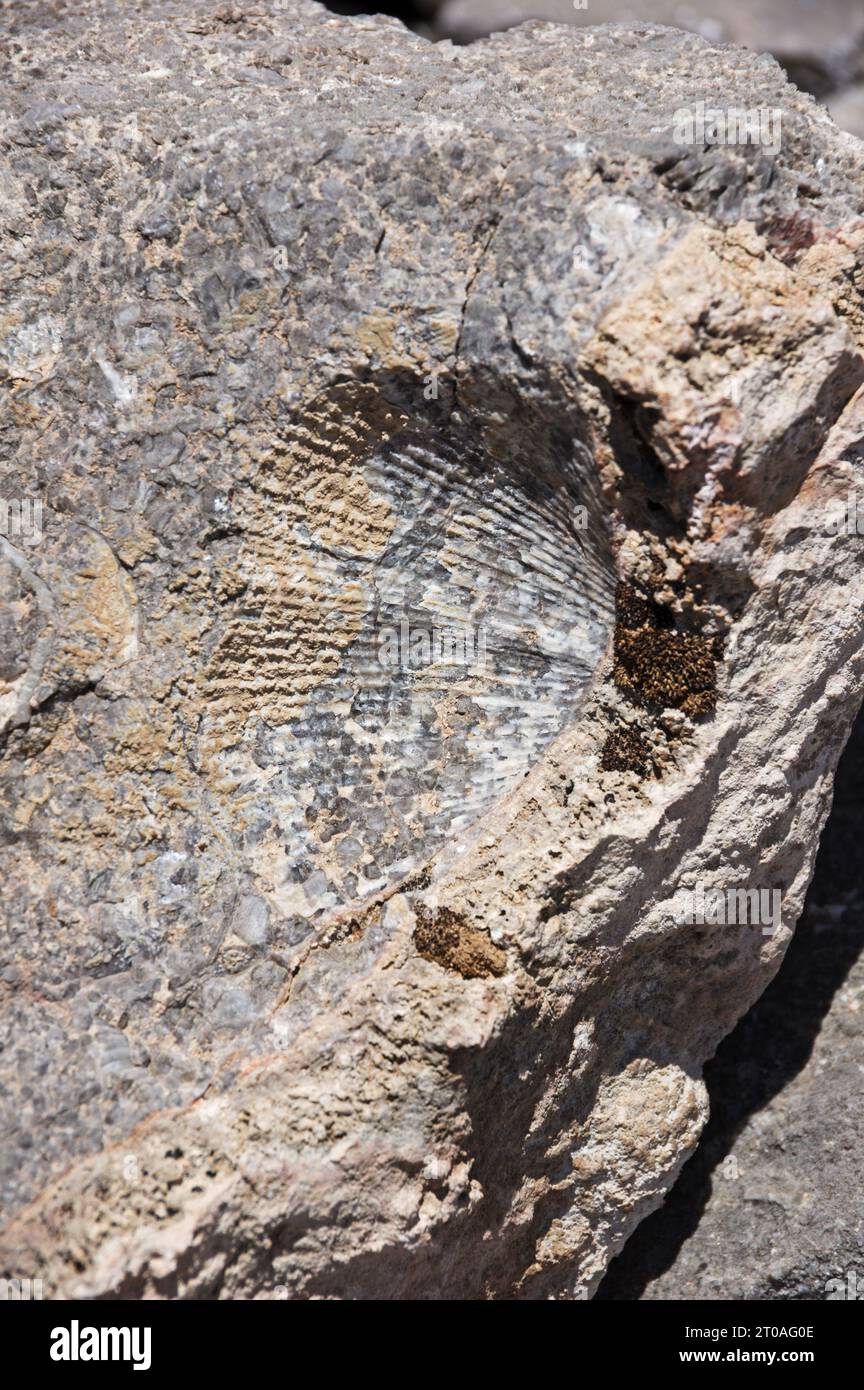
pixel 769 1206
pixel 821 46
pixel 326 976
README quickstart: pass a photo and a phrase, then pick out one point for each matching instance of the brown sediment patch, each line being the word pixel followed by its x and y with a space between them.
pixel 448 940
pixel 660 666
pixel 626 750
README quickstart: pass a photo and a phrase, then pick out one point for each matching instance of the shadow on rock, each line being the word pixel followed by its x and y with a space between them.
pixel 773 1042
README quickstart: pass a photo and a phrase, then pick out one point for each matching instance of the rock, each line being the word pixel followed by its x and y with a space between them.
pixel 313 330
pixel 847 108
pixel 775 1180
pixel 819 45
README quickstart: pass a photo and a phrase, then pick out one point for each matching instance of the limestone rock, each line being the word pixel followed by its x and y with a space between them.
pixel 776 1178
pixel 336 966
pixel 820 45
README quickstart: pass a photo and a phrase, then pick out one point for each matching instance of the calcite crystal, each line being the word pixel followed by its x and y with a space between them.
pixel 338 963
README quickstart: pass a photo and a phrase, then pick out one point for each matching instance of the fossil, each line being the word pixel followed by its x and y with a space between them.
pixel 365 530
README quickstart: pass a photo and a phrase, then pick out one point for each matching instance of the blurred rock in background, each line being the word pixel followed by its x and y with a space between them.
pixel 415 13
pixel 847 108
pixel 820 43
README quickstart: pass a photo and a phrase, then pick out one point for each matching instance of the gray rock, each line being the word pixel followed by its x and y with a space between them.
pixel 250 920
pixel 847 108
pixel 769 1207
pixel 313 327
pixel 821 45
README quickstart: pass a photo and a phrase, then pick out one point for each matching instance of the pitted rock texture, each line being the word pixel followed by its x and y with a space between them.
pixel 819 43
pixel 821 46
pixel 333 978
pixel 769 1206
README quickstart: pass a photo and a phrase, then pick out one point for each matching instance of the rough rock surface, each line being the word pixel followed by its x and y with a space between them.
pixel 821 45
pixel 331 978
pixel 769 1207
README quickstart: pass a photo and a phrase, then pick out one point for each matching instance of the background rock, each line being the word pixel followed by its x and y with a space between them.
pixel 821 46
pixel 847 108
